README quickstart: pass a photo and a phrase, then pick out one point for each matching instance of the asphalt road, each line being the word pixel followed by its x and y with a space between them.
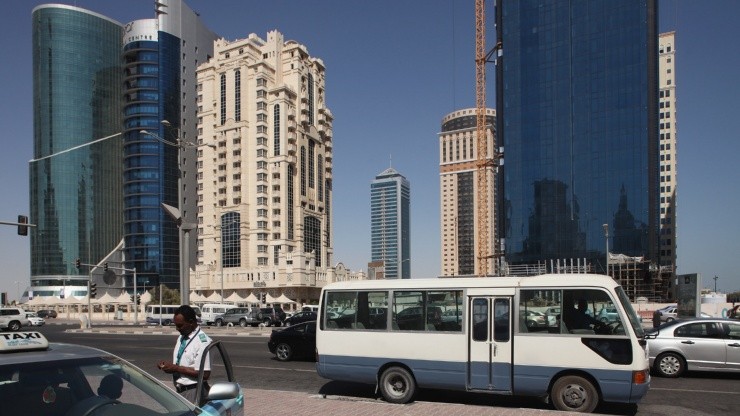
pixel 695 394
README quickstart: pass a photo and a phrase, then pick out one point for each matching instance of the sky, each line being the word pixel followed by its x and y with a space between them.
pixel 394 69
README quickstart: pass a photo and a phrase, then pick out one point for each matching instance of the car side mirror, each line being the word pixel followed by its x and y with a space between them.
pixel 223 391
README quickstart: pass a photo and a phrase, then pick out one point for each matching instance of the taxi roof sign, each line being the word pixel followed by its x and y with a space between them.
pixel 22 341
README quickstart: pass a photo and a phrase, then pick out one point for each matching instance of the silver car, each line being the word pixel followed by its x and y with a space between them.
pixel 706 344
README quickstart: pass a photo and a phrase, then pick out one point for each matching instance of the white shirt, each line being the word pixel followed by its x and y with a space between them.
pixel 197 341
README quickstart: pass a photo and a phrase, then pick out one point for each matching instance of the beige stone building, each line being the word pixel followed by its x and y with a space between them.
pixel 668 163
pixel 264 224
pixel 458 183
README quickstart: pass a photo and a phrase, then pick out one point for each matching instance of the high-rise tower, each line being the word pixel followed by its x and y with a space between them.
pixel 457 177
pixel 668 140
pixel 577 118
pixel 390 200
pixel 264 194
pixel 161 56
pixel 76 188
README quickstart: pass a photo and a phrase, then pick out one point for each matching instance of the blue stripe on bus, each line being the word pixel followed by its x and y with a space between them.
pixel 615 385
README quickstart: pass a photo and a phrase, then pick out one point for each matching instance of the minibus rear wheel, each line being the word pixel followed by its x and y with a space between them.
pixel 397 385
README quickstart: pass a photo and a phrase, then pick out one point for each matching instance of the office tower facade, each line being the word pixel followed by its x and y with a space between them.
pixel 75 175
pixel 264 191
pixel 577 90
pixel 668 151
pixel 458 178
pixel 390 222
pixel 161 56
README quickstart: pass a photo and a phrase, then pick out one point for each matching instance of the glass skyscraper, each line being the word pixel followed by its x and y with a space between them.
pixel 576 100
pixel 390 195
pixel 75 175
pixel 96 78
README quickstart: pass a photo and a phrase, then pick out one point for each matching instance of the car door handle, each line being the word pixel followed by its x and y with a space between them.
pixel 688 342
pixel 733 345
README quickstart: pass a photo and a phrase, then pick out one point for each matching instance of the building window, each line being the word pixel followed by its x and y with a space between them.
pixel 223 98
pixel 276 130
pixel 310 99
pixel 303 170
pixel 237 95
pixel 311 153
pixel 320 178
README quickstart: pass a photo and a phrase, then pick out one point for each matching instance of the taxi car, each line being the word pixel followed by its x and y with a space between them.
pixel 42 378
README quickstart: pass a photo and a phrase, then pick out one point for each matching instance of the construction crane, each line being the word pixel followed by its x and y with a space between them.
pixel 485 162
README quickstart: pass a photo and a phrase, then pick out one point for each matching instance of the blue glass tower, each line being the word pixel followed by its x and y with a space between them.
pixel 576 99
pixel 75 176
pixel 161 56
pixel 390 195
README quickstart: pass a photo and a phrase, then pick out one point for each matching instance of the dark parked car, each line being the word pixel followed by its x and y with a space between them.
pixel 293 341
pixel 706 344
pixel 271 316
pixel 46 313
pixel 300 317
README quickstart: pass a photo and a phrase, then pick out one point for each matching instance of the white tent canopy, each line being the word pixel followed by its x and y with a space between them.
pixel 270 299
pixel 197 298
pixel 234 298
pixel 284 299
pixel 251 299
pixel 105 299
pixel 214 297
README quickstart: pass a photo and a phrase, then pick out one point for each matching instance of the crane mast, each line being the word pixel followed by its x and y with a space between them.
pixel 483 162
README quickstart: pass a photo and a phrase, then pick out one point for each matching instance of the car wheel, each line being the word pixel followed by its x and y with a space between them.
pixel 219 322
pixel 669 320
pixel 166 322
pixel 397 385
pixel 575 394
pixel 670 365
pixel 267 322
pixel 14 326
pixel 283 352
pixel 242 322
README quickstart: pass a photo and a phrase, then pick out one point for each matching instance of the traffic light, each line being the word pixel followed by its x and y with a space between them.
pixel 77 263
pixel 263 297
pixel 138 299
pixel 22 229
pixel 105 266
pixel 93 290
pixel 131 298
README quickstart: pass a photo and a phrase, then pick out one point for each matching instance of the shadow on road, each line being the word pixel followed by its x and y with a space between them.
pixel 367 392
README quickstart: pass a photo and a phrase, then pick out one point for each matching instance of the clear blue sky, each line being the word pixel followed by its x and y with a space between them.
pixel 394 69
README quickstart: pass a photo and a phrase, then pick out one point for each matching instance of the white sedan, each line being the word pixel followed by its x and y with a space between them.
pixel 36 321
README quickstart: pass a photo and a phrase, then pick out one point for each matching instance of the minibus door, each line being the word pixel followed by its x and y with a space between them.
pixel 489 340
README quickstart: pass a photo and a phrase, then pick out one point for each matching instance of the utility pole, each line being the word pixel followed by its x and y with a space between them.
pixel 715 283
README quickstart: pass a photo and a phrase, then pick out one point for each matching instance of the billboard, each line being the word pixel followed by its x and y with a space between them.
pixel 688 294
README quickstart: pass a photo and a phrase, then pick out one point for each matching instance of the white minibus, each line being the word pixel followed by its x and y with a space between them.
pixel 525 336
pixel 210 311
pixel 164 314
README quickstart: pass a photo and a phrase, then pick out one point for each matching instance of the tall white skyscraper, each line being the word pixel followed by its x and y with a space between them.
pixel 667 124
pixel 264 190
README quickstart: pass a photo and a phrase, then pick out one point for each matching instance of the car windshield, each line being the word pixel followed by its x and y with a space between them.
pixel 76 386
pixel 631 314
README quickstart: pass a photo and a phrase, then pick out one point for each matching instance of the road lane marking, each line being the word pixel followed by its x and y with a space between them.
pixel 695 391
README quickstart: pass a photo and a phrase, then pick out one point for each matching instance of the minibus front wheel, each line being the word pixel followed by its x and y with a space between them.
pixel 574 394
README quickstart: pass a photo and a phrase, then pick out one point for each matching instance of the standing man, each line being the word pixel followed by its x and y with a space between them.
pixel 187 355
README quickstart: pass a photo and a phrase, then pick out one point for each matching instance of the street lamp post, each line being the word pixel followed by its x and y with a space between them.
pixel 177 214
pixel 606 237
